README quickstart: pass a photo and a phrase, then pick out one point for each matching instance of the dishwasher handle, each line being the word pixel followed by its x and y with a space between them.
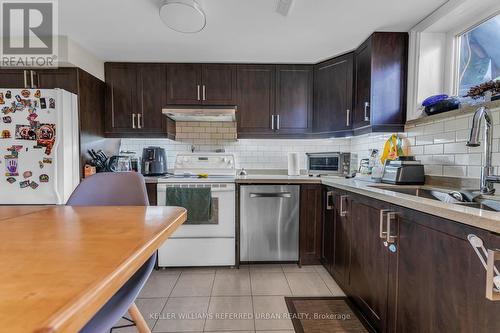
pixel 271 195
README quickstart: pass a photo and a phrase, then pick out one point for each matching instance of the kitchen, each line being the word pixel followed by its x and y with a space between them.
pixel 346 175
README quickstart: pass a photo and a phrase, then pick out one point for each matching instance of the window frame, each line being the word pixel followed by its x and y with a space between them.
pixel 454 41
pixel 452 19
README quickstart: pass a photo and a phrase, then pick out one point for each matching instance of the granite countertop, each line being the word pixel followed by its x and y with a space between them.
pixel 479 218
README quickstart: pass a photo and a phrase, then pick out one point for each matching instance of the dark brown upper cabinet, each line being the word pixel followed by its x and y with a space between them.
pixel 218 84
pixel 255 86
pixel 333 81
pixel 380 67
pixel 191 84
pixel 134 99
pixel 274 100
pixel 62 78
pixel 294 102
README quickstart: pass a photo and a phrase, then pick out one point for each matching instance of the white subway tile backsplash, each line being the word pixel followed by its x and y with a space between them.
pixel 433 149
pixel 455 171
pixel 459 147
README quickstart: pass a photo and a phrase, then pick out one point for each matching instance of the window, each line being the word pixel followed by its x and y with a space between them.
pixel 479 55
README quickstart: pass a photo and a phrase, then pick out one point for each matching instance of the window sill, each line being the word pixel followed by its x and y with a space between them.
pixel 465 110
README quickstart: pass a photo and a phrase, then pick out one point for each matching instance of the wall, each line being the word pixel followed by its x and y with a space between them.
pixel 73 54
pixel 250 154
pixel 440 145
pixel 205 133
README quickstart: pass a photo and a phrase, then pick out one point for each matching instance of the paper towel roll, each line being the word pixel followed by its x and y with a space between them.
pixel 293 164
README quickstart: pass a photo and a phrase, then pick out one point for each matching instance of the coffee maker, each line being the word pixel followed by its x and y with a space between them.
pixel 154 161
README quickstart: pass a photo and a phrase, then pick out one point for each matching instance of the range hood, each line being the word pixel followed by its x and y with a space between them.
pixel 200 112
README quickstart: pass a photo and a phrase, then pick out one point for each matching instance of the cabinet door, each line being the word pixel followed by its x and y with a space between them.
pixel 121 98
pixel 341 239
pixel 62 78
pixel 218 84
pixel 184 84
pixel 256 98
pixel 151 90
pixel 327 253
pixel 441 282
pixel 369 268
pixel 294 86
pixel 333 94
pixel 362 91
pixel 14 78
pixel 310 224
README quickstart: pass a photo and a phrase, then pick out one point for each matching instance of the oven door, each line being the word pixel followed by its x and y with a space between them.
pixel 325 164
pixel 222 223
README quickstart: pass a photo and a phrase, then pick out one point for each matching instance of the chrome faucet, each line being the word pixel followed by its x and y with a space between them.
pixel 487 177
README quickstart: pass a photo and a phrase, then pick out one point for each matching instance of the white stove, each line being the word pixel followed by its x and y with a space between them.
pixel 205 243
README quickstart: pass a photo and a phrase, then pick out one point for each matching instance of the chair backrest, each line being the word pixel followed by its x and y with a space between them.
pixel 111 189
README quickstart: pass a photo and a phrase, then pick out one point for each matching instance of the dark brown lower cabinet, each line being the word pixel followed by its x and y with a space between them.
pixel 310 225
pixel 151 189
pixel 425 278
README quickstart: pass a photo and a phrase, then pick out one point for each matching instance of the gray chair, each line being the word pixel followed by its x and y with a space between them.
pixel 116 189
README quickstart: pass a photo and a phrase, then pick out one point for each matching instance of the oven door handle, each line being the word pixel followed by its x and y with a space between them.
pixel 271 195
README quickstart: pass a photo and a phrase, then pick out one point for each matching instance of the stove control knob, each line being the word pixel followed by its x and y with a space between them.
pixel 224 159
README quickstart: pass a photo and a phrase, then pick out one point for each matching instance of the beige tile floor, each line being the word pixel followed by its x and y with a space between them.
pixel 245 300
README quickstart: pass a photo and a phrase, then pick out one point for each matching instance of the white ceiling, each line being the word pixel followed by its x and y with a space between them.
pixel 237 30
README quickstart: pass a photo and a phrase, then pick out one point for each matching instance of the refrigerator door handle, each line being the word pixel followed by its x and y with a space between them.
pixel 25 79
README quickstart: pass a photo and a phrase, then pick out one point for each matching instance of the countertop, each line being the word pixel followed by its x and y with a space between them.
pixel 61 264
pixel 480 218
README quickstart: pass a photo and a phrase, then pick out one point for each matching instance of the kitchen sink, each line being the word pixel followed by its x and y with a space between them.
pixel 461 197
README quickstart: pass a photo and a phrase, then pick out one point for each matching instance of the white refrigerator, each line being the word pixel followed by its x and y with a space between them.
pixel 39 146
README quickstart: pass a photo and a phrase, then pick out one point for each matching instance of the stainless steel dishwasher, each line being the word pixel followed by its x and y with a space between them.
pixel 269 223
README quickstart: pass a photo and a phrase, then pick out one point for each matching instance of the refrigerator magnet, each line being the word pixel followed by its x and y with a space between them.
pixel 11 166
pixel 43 103
pixel 2 100
pixel 37 94
pixel 11 180
pixel 7 119
pixel 33 185
pixel 31 117
pixel 44 178
pixel 18 98
pixel 26 93
pixel 24 184
pixel 52 103
pixel 47 160
pixel 40 164
pixel 5 134
pixel 7 110
pixel 25 132
pixel 8 94
pixel 27 174
pixel 17 106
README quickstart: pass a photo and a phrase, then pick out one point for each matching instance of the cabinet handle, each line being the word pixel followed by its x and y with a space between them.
pixel 25 79
pixel 277 121
pixel 198 91
pixel 204 93
pixel 347 118
pixel 492 280
pixel 139 121
pixel 342 211
pixel 367 106
pixel 133 120
pixel 390 238
pixel 272 121
pixel 382 234
pixel 329 199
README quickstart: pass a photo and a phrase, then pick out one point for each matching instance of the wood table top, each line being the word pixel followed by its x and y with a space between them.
pixel 60 264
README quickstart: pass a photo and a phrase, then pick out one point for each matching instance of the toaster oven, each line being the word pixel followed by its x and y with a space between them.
pixel 331 164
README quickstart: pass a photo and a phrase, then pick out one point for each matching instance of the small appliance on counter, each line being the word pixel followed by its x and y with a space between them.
pixel 403 171
pixel 331 164
pixel 293 164
pixel 119 163
pixel 154 161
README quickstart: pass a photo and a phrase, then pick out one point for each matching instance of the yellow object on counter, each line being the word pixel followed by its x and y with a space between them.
pixel 393 148
pixel 203 175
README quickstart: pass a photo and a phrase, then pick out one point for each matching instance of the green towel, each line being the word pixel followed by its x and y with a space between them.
pixel 197 201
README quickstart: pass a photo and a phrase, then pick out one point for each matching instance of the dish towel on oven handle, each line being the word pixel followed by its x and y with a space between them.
pixel 197 201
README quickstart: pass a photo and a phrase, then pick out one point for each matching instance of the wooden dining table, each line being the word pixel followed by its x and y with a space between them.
pixel 60 264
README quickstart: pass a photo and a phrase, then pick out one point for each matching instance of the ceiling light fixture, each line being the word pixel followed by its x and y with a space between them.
pixel 184 16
